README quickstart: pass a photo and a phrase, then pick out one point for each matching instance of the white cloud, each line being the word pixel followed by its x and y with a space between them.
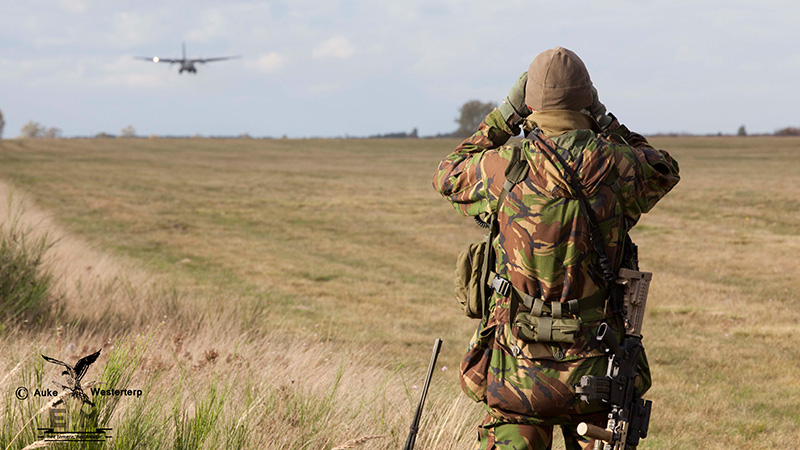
pixel 268 63
pixel 335 47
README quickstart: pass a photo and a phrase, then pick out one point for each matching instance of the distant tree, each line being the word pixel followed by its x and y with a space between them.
pixel 104 135
pixel 52 133
pixel 128 132
pixel 2 124
pixel 36 130
pixel 742 131
pixel 470 115
pixel 788 131
pixel 32 130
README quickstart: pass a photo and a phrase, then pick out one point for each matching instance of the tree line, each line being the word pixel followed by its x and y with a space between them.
pixel 470 116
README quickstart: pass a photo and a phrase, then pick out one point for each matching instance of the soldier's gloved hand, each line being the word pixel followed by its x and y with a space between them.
pixel 598 111
pixel 513 109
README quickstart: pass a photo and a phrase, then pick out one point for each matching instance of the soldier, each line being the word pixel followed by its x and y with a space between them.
pixel 536 337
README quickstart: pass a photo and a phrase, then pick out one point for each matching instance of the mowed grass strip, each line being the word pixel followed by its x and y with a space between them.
pixel 347 239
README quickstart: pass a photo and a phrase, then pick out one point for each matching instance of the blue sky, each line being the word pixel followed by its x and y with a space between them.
pixel 335 68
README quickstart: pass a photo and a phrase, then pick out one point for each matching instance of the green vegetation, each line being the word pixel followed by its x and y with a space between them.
pixel 290 290
pixel 24 280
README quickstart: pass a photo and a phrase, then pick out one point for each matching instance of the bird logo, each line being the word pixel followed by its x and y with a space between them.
pixel 75 374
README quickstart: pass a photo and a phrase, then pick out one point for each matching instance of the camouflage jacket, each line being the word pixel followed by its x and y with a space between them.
pixel 543 246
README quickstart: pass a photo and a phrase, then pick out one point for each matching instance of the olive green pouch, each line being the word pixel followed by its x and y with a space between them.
pixel 546 329
pixel 470 278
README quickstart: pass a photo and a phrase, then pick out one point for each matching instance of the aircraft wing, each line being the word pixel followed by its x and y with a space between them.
pixel 156 59
pixel 205 60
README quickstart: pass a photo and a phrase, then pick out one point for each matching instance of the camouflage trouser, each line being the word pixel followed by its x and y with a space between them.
pixel 512 436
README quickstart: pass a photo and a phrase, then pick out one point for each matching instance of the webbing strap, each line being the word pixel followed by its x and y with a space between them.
pixel 517 168
pixel 555 310
pixel 515 172
pixel 545 328
pixel 527 299
pixel 537 306
pixel 507 186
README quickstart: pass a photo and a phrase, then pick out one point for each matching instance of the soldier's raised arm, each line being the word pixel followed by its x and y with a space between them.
pixel 646 173
pixel 463 176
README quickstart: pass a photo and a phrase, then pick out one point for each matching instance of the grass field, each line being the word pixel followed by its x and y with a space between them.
pixel 286 293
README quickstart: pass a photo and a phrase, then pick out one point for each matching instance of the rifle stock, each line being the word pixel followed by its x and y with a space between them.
pixel 629 418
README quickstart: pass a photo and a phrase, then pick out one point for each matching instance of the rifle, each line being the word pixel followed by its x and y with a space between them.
pixel 412 434
pixel 629 418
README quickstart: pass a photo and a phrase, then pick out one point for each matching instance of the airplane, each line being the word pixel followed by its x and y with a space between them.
pixel 187 65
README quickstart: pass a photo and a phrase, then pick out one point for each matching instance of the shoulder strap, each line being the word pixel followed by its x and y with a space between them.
pixel 516 170
pixel 628 254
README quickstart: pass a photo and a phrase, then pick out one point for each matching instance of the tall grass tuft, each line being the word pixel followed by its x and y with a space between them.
pixel 25 283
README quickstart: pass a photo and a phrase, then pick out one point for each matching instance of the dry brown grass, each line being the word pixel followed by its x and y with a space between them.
pixel 285 391
pixel 722 329
pixel 282 267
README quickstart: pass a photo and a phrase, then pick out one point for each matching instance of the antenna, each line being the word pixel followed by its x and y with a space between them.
pixel 183 47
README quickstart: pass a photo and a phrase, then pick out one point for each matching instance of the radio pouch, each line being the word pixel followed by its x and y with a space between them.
pixel 544 323
pixel 546 328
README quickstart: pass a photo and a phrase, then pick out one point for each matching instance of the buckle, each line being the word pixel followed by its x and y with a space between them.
pixel 501 286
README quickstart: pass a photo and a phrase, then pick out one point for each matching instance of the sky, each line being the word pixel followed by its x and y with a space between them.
pixel 331 68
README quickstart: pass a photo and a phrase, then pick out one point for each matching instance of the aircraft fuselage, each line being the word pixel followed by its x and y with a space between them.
pixel 187 66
